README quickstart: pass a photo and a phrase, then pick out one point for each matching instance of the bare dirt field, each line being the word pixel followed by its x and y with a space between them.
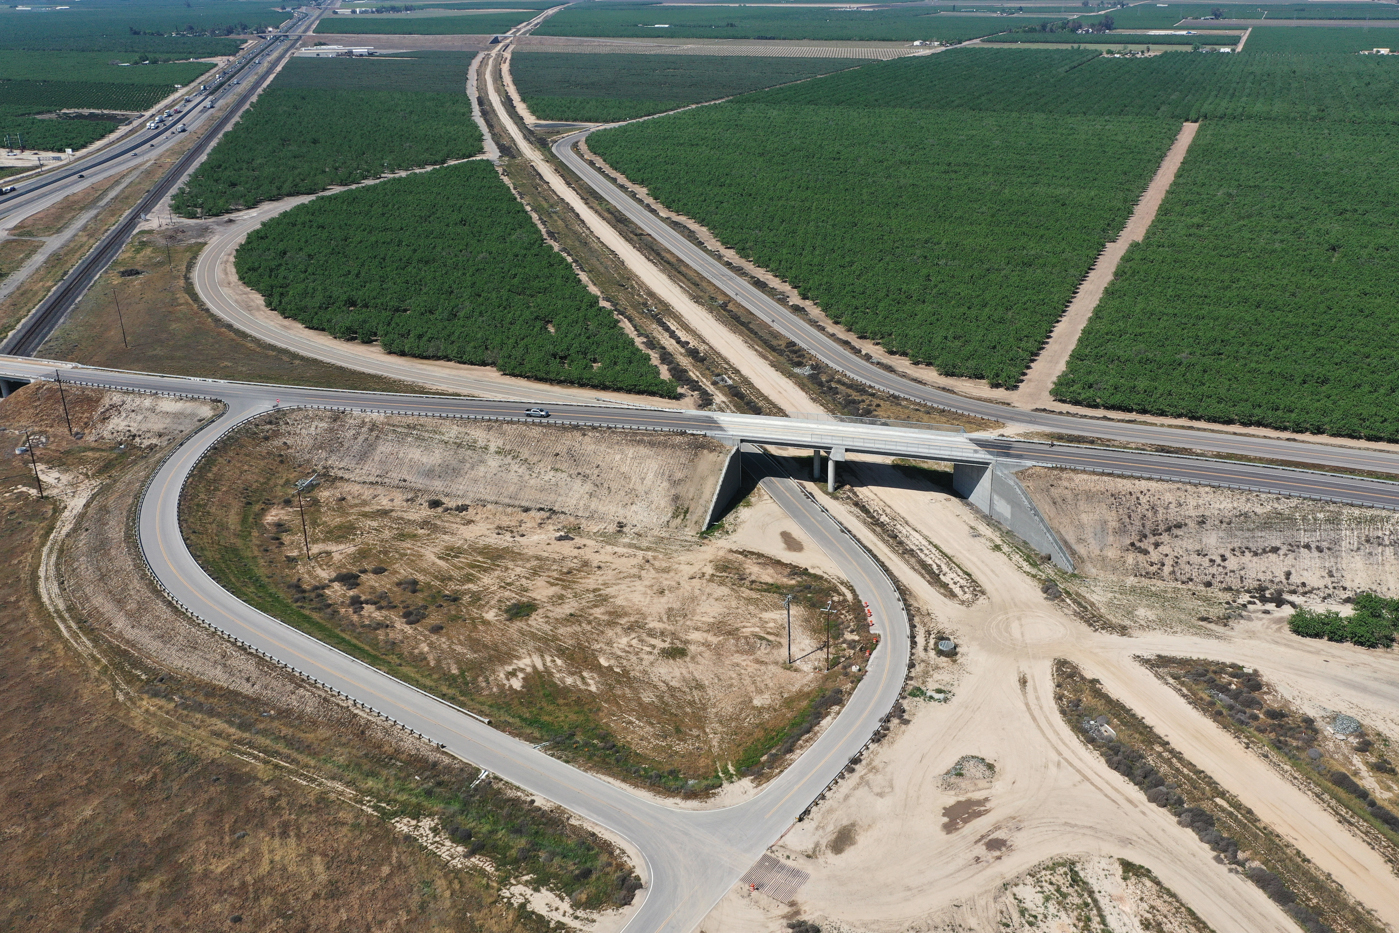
pixel 905 843
pixel 1221 539
pixel 194 786
pixel 552 576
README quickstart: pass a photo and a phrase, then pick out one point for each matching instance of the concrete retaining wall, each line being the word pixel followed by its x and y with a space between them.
pixel 727 486
pixel 997 493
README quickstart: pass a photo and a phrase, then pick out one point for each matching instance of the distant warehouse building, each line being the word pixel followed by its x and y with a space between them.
pixel 336 51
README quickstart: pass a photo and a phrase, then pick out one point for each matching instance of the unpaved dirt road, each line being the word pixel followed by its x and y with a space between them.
pixel 764 375
pixel 1039 379
pixel 1051 796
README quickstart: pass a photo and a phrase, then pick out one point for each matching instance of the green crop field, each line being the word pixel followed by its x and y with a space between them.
pixel 1358 88
pixel 88 85
pixel 1265 291
pixel 638 20
pixel 949 205
pixel 444 264
pixel 1155 16
pixel 1113 39
pixel 956 238
pixel 95 67
pixel 159 27
pixel 421 8
pixel 431 72
pixel 1335 39
pixel 602 88
pixel 462 24
pixel 327 122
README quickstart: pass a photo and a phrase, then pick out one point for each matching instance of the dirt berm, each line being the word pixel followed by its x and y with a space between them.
pixel 652 481
pixel 1224 538
pixel 551 577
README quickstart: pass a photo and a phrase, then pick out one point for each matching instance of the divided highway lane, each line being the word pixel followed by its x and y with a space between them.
pixel 874 439
pixel 690 858
pixel 857 367
pixel 31 333
pixel 38 192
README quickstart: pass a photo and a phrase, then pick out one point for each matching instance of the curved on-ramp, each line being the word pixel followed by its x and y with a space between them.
pixel 691 858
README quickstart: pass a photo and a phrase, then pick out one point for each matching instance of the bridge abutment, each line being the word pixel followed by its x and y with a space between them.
pixel 995 491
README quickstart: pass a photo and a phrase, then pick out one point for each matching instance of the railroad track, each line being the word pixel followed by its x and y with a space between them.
pixel 29 336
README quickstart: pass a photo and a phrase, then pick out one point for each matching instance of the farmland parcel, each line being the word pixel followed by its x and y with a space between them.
pixel 445 265
pixel 602 88
pixel 894 198
pixel 468 24
pixel 633 20
pixel 37 112
pixel 1264 292
pixel 953 236
pixel 327 122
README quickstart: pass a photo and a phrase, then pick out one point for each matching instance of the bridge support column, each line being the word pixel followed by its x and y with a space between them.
pixel 816 464
pixel 837 455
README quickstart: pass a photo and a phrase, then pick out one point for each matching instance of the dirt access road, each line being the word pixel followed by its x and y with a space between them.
pixel 1051 796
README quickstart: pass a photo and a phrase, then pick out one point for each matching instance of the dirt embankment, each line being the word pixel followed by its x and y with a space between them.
pixel 549 576
pixel 1076 895
pixel 1219 538
pixel 604 480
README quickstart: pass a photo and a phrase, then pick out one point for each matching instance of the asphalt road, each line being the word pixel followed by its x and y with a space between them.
pixel 837 357
pixel 31 333
pixel 778 432
pixel 40 191
pixel 690 858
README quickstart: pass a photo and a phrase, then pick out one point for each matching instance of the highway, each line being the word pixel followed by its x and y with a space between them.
pixel 841 359
pixel 38 191
pixel 878 439
pixel 31 333
pixel 690 858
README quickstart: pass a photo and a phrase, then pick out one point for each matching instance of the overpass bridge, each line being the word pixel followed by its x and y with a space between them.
pixel 984 465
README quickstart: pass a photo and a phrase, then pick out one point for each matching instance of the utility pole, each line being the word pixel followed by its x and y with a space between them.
pixel 64 399
pixel 828 610
pixel 32 462
pixel 305 538
pixel 121 322
pixel 788 603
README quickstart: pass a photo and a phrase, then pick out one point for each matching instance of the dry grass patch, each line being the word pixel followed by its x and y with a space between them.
pixel 551 577
pixel 53 219
pixel 141 796
pixel 14 253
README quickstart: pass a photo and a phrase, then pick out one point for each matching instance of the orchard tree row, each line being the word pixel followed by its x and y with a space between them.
pixel 447 265
pixel 304 134
pixel 1264 293
pixel 955 238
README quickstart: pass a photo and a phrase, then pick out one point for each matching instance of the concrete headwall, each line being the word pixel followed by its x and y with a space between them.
pixel 727 486
pixel 996 492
